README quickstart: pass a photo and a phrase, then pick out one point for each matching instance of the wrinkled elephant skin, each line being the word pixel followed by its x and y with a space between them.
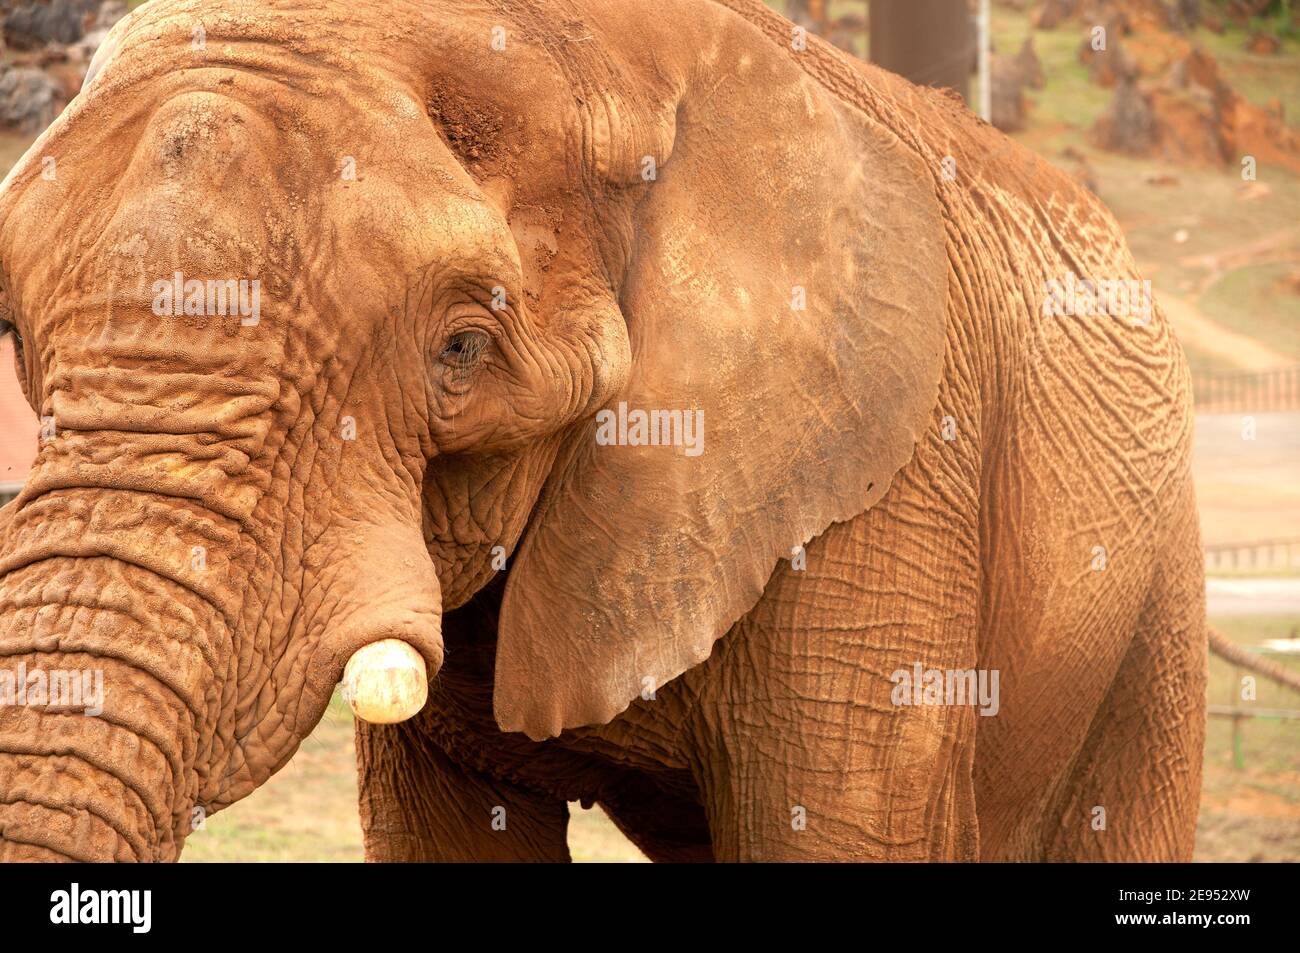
pixel 723 426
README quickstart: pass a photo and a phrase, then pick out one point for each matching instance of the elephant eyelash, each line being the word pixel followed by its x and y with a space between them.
pixel 7 328
pixel 20 358
pixel 464 348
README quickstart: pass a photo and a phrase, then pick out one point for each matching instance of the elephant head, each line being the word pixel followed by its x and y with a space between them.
pixel 332 318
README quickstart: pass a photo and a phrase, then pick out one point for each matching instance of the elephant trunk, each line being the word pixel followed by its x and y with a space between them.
pixel 157 663
pixel 108 688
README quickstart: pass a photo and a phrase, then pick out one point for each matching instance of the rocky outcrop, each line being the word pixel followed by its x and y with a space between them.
pixel 1192 115
pixel 1129 125
pixel 1030 66
pixel 38 23
pixel 51 45
pixel 29 98
pixel 1010 76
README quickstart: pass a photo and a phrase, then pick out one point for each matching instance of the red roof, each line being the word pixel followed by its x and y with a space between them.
pixel 18 425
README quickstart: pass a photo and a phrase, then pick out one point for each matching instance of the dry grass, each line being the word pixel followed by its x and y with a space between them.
pixel 308 812
pixel 12 147
pixel 1252 812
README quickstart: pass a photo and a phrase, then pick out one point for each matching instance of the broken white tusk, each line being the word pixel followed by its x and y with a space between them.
pixel 385 682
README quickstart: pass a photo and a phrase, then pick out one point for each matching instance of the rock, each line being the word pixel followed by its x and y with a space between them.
pixel 1241 12
pixel 1191 126
pixel 1010 75
pixel 1198 68
pixel 110 11
pixel 1129 124
pixel 29 99
pixel 1008 98
pixel 40 22
pixel 1183 15
pixel 48 56
pixel 1118 16
pixel 1265 44
pixel 1153 53
pixel 1264 134
pixel 1193 116
pixel 1049 14
pixel 1031 68
pixel 83 51
pixel 1107 67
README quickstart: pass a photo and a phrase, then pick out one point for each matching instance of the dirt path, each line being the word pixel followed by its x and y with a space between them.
pixel 1279 246
pixel 1196 331
pixel 1253 596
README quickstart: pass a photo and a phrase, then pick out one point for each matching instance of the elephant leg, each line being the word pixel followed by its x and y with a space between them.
pixel 803 752
pixel 419 805
pixel 666 828
pixel 1134 791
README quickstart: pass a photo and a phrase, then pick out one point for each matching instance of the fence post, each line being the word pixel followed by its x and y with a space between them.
pixel 1222 392
pixel 1238 759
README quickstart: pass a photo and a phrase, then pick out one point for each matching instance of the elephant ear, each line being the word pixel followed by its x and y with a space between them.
pixel 786 294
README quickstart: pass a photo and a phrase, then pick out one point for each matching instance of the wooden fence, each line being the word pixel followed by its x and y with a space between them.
pixel 1262 555
pixel 1246 392
pixel 1251 660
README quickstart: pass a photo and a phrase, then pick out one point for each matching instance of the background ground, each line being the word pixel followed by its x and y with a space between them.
pixel 1219 281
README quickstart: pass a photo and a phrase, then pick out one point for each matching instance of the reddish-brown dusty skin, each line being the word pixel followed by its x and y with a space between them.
pixel 476 226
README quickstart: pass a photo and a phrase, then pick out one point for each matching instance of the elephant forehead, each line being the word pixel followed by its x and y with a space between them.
pixel 266 148
pixel 399 223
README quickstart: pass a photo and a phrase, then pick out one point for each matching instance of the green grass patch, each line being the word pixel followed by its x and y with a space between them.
pixel 1253 301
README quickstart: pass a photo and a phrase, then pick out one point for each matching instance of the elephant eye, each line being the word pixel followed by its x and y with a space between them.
pixel 464 348
pixel 7 328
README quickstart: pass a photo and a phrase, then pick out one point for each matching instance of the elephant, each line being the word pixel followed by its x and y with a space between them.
pixel 666 412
